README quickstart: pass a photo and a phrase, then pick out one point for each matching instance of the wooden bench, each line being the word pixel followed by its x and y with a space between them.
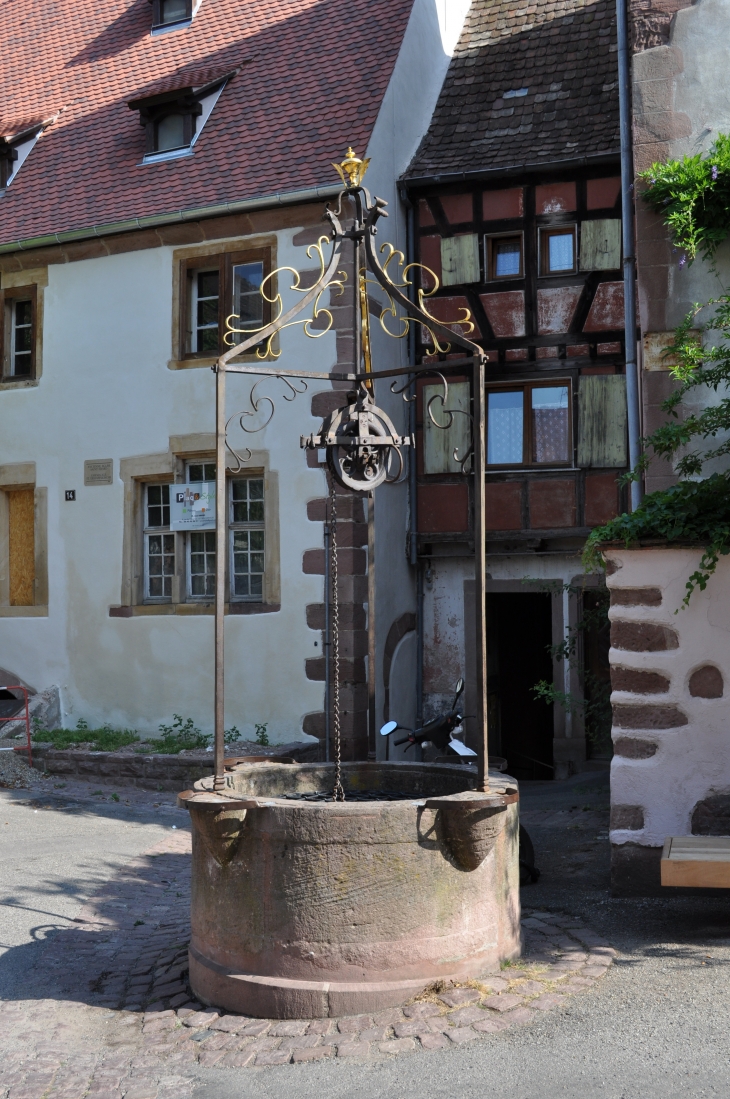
pixel 698 861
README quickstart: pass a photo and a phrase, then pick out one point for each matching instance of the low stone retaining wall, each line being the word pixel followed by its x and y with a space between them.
pixel 150 772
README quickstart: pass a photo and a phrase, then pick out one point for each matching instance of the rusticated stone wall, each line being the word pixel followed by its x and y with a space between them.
pixel 352 540
pixel 670 670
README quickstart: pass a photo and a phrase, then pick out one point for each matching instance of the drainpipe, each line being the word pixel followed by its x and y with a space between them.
pixel 629 257
pixel 412 475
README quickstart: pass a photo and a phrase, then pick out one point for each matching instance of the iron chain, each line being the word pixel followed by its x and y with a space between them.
pixel 339 793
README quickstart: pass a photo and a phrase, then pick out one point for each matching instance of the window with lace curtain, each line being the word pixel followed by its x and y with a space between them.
pixel 530 424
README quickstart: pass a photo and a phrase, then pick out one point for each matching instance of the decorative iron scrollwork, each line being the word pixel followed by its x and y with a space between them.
pixel 362 445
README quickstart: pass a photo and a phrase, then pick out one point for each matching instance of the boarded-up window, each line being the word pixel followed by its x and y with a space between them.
pixel 600 245
pixel 21 547
pixel 439 444
pixel 602 421
pixel 460 259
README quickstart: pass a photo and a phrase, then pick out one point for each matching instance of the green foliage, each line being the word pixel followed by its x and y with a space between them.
pixel 692 195
pixel 232 735
pixel 181 736
pixel 105 739
pixel 693 511
pixel 261 734
pixel 696 512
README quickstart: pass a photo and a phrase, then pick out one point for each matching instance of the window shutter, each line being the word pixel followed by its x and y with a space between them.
pixel 439 445
pixel 602 421
pixel 460 259
pixel 600 245
pixel 21 547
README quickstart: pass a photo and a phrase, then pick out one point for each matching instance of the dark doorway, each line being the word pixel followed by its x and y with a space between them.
pixel 519 634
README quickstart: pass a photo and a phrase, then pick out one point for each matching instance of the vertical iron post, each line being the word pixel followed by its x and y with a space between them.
pixel 220 569
pixel 371 625
pixel 327 638
pixel 480 573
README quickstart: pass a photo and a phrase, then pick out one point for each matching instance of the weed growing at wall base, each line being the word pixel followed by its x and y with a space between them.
pixel 105 739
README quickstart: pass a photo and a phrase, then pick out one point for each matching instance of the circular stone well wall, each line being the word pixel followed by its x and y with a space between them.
pixel 304 909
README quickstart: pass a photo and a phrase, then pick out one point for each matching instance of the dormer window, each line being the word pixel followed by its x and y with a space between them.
pixel 171 132
pixel 13 151
pixel 173 118
pixel 172 11
pixel 172 14
pixel 8 156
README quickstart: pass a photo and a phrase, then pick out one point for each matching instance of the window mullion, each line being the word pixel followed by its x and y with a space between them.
pixel 225 306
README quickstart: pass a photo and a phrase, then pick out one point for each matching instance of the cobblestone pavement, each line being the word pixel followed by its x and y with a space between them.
pixel 107 1010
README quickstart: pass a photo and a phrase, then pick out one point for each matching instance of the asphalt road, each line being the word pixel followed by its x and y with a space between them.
pixel 57 847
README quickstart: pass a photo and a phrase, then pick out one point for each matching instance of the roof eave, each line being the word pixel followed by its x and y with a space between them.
pixel 194 213
pixel 478 174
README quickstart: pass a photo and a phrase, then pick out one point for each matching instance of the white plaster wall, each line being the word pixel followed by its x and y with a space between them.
pixel 444 656
pixel 430 39
pixel 106 392
pixel 431 35
pixel 694 759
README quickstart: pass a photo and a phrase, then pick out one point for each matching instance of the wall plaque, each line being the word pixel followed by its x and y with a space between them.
pixel 99 471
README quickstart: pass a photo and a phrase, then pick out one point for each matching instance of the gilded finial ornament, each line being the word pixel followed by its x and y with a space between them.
pixel 351 170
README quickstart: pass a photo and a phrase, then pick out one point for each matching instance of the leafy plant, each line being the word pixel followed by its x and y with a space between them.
pixel 261 734
pixel 692 195
pixel 594 701
pixel 694 511
pixel 181 736
pixel 98 740
pixel 231 736
pixel 82 724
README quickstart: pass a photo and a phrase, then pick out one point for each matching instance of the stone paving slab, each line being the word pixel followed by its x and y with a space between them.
pixel 108 1012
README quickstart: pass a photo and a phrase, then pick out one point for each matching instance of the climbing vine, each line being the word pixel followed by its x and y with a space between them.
pixel 697 509
pixel 692 195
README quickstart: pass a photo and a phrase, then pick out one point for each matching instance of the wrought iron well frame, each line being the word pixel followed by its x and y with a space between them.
pixel 361 232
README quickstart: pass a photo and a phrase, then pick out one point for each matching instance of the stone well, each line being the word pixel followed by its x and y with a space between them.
pixel 305 909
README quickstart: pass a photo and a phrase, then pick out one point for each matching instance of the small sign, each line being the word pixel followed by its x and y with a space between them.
pixel 70 494
pixel 99 472
pixel 192 507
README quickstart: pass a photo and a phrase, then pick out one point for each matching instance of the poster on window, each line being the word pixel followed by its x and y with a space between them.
pixel 192 507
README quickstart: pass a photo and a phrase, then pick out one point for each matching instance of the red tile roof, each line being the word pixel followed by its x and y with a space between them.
pixel 184 78
pixel 313 74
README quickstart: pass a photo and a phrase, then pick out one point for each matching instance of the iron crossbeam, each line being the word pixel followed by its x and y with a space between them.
pixel 339 376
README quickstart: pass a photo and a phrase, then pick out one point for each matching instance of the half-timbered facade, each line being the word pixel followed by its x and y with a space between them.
pixel 516 211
